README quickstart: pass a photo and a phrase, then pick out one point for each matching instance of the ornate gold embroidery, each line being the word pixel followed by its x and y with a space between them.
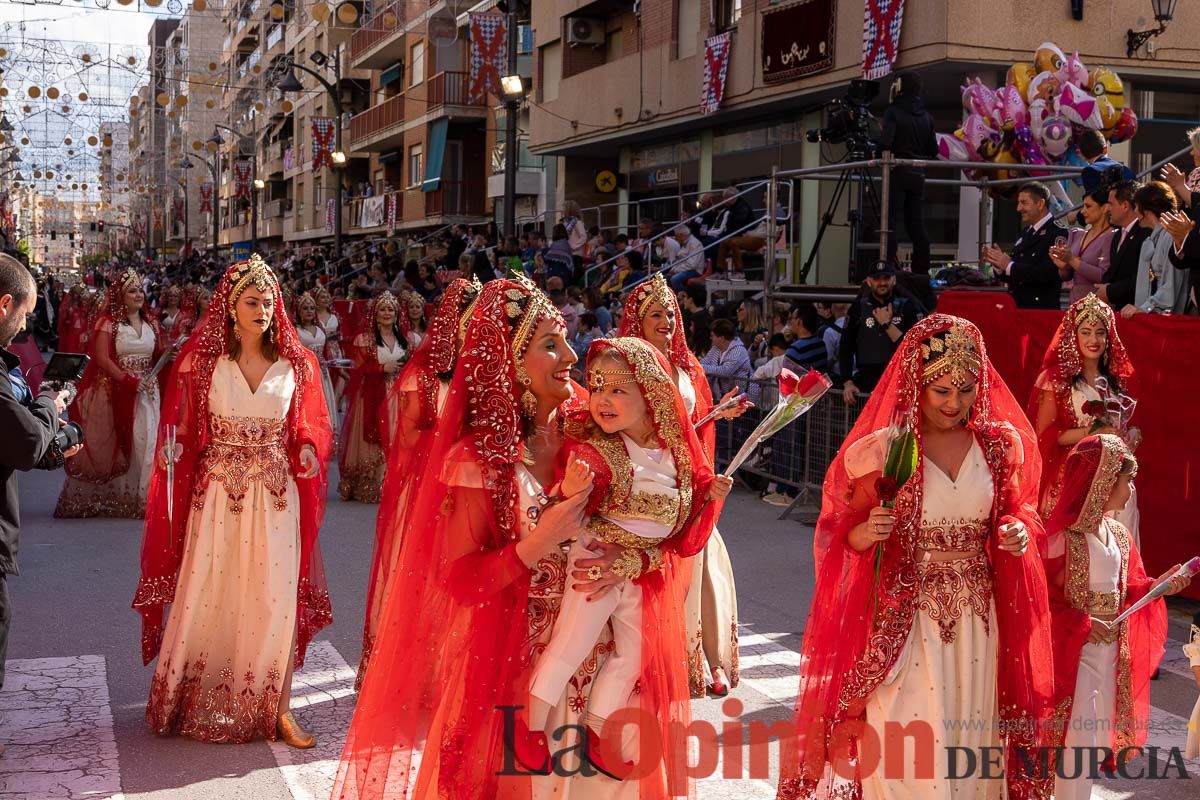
pixel 1112 456
pixel 951 352
pixel 606 531
pixel 243 450
pixel 208 706
pixel 137 365
pixel 946 588
pixel 1103 602
pixel 962 536
pixel 660 508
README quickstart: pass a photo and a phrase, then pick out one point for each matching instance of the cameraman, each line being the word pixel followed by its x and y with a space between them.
pixel 908 133
pixel 29 424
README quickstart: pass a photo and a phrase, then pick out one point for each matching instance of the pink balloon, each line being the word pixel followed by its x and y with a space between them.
pixel 1079 107
pixel 1056 136
pixel 977 130
pixel 1009 109
pixel 1028 149
pixel 1073 72
pixel 952 148
pixel 977 98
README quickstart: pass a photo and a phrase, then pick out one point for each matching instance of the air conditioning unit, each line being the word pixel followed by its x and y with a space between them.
pixel 583 30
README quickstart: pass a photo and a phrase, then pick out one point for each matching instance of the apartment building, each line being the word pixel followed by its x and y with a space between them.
pixel 433 147
pixel 618 88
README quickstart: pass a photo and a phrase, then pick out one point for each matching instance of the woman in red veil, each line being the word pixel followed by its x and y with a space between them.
pixel 118 408
pixel 379 351
pixel 652 313
pixel 480 575
pixel 418 394
pixel 957 624
pixel 230 541
pixel 1101 673
pixel 1085 362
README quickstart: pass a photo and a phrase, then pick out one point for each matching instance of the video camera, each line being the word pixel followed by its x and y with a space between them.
pixel 62 373
pixel 851 121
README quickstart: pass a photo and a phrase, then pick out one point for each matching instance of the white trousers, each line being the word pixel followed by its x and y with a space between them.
pixel 576 630
pixel 1092 712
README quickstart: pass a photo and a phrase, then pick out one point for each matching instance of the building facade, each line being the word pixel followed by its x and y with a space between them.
pixel 619 83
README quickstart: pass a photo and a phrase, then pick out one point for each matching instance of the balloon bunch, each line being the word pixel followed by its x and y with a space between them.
pixel 1036 116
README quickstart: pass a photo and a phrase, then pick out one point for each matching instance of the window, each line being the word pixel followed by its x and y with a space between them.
pixel 416 171
pixel 416 60
pixel 687 30
pixel 551 71
pixel 728 14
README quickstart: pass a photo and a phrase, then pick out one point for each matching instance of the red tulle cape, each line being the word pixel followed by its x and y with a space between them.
pixel 186 407
pixel 106 402
pixel 847 651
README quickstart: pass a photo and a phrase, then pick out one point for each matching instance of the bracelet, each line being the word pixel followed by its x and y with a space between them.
pixel 629 564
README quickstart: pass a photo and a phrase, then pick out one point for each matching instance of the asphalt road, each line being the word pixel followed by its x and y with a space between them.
pixel 71 712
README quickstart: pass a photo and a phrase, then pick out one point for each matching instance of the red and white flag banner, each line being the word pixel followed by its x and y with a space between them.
pixel 242 172
pixel 716 68
pixel 881 37
pixel 322 131
pixel 158 219
pixel 206 195
pixel 177 210
pixel 489 54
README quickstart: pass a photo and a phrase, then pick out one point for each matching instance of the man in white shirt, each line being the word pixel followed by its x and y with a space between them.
pixel 685 254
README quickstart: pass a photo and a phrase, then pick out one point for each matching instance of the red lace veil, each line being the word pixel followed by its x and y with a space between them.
pixel 106 403
pixel 368 382
pixel 186 407
pixel 431 364
pixel 452 641
pixel 1091 471
pixel 1061 366
pixel 846 654
pixel 637 305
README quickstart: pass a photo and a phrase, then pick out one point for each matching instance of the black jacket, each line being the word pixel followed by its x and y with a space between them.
pixel 1033 280
pixel 1122 272
pixel 855 349
pixel 741 218
pixel 27 436
pixel 1189 259
pixel 908 129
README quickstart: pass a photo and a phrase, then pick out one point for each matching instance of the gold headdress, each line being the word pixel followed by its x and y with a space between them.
pixel 254 271
pixel 1092 309
pixel 526 314
pixel 950 352
pixel 655 290
pixel 597 378
pixel 129 278
pixel 387 300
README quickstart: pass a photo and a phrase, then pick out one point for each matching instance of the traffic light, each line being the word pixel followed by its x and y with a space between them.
pixel 100 226
pixel 53 235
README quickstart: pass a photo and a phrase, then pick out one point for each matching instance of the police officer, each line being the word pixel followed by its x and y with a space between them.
pixel 875 325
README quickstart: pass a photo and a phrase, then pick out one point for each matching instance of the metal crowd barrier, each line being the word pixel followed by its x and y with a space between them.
pixel 798 456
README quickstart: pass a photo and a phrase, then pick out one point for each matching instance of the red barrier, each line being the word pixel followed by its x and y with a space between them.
pixel 1166 355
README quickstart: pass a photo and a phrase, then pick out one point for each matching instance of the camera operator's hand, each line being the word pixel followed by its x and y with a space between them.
pixel 73 451
pixel 60 398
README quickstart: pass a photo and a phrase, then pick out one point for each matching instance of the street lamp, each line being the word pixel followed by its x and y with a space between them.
pixel 1164 12
pixel 289 83
pixel 514 90
pixel 214 200
pixel 258 186
pixel 5 125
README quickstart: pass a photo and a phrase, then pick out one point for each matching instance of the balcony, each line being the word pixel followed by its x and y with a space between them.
pixel 449 96
pixel 277 208
pixel 274 38
pixel 370 45
pixel 380 127
pixel 455 198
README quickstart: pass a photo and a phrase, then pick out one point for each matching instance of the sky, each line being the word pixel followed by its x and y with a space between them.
pixel 79 21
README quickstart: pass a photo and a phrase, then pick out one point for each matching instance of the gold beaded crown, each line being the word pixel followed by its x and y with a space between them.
pixel 253 271
pixel 655 290
pixel 951 352
pixel 1092 309
pixel 387 300
pixel 525 307
pixel 129 278
pixel 597 379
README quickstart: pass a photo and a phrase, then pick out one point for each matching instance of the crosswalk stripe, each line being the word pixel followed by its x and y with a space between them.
pixel 323 699
pixel 56 724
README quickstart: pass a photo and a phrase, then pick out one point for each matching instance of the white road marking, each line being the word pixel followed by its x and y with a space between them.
pixel 57 727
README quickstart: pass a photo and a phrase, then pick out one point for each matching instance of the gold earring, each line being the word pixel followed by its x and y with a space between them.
pixel 528 401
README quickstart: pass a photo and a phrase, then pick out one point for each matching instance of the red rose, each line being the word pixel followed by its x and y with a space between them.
pixel 788 381
pixel 813 384
pixel 886 488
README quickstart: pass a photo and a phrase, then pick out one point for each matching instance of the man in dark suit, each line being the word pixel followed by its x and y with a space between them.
pixel 1185 255
pixel 1033 280
pixel 1120 279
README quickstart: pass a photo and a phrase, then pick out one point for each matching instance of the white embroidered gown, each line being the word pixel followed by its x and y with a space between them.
pixel 313 337
pixel 230 632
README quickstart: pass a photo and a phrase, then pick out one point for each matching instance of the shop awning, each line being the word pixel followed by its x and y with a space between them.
pixel 436 155
pixel 391 74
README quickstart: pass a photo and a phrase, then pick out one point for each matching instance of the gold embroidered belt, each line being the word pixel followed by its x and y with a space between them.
pixel 1103 602
pixel 660 508
pixel 606 531
pixel 947 589
pixel 960 535
pixel 136 365
pixel 241 451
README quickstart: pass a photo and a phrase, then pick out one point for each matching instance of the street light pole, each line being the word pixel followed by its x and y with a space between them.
pixel 511 108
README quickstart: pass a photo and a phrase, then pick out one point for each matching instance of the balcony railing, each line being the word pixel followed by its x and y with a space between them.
pixel 452 89
pixel 275 36
pixel 454 198
pixel 277 208
pixel 389 20
pixel 378 118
